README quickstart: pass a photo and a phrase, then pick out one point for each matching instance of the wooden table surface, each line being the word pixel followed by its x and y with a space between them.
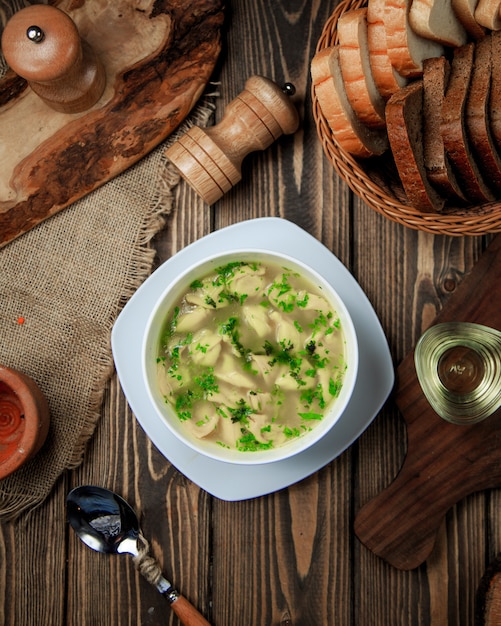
pixel 289 558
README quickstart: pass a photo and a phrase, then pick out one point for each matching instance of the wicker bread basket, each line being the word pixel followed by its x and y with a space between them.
pixel 376 180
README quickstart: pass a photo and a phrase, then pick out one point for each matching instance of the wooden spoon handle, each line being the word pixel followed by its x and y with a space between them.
pixel 187 613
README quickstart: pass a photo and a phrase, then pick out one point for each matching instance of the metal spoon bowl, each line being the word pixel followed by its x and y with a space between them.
pixel 106 523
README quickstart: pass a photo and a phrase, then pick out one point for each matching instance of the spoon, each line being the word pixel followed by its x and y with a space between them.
pixel 106 523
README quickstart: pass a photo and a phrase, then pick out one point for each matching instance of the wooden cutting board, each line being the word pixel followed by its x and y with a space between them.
pixel 158 56
pixel 444 462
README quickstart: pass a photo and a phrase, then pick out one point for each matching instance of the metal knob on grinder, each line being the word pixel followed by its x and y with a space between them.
pixel 210 159
pixel 41 44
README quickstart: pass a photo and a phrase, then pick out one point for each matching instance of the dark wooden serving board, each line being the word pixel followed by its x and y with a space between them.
pixel 158 56
pixel 444 462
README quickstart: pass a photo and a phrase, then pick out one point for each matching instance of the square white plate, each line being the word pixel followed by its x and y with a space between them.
pixel 375 375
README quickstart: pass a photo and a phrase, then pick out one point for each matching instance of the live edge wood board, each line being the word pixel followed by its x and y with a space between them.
pixel 158 56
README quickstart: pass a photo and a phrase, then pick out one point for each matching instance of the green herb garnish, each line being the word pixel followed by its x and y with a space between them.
pixel 241 412
pixel 207 383
pixel 249 443
pixel 310 416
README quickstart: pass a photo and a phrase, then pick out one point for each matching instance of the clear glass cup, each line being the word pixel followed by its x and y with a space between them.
pixel 458 365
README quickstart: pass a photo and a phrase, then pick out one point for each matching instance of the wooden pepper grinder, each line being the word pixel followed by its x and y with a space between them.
pixel 210 159
pixel 41 44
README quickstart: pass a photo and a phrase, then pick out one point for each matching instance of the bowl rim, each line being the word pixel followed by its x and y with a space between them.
pixel 150 338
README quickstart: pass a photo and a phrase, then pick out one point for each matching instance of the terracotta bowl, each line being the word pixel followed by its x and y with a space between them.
pixel 24 419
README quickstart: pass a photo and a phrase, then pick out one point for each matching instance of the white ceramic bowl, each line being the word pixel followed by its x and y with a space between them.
pixel 151 341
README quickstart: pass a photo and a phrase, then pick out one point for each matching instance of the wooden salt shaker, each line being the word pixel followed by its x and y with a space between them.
pixel 41 44
pixel 210 159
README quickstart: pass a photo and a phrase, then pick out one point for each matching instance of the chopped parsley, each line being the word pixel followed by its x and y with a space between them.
pixel 249 443
pixel 241 412
pixel 310 416
pixel 291 432
pixel 207 383
pixel 228 327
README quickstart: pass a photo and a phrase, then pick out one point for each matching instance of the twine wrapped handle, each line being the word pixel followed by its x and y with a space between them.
pixel 150 569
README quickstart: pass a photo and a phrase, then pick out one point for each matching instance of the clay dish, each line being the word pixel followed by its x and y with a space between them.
pixel 24 419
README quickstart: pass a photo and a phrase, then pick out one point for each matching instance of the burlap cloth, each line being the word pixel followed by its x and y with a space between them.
pixel 69 278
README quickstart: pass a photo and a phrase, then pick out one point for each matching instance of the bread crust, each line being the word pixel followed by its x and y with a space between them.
pixel 320 68
pixel 488 14
pixel 387 79
pixel 453 127
pixel 477 114
pixel 465 10
pixel 495 95
pixel 349 132
pixel 435 19
pixel 354 59
pixel 404 112
pixel 438 168
pixel 406 49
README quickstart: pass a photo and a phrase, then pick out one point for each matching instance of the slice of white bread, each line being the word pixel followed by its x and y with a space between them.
pixel 349 132
pixel 354 60
pixel 487 14
pixel 477 114
pixel 495 96
pixel 404 119
pixel 438 167
pixel 453 127
pixel 435 19
pixel 465 11
pixel 406 49
pixel 387 79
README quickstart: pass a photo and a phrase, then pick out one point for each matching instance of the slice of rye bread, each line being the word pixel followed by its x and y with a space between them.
pixel 354 60
pixel 465 11
pixel 477 114
pixel 438 167
pixel 404 119
pixel 436 19
pixel 406 49
pixel 495 96
pixel 387 79
pixel 453 127
pixel 348 131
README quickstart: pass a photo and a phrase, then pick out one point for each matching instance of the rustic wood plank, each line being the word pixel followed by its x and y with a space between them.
pixel 34 549
pixel 281 551
pixel 290 558
pixel 382 594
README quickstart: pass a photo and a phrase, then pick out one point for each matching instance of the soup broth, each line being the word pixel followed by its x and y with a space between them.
pixel 251 356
